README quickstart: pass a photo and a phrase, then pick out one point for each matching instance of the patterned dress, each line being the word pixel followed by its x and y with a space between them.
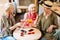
pixel 30 18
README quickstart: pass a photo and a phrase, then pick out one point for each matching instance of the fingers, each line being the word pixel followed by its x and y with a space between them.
pixel 49 30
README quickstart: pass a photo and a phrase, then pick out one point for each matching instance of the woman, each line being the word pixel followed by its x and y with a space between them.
pixel 6 20
pixel 31 15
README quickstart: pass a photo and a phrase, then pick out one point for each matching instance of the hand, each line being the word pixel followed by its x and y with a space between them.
pixel 11 28
pixel 50 29
pixel 33 25
pixel 18 24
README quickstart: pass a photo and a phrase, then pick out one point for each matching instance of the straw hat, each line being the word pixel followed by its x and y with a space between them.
pixel 47 4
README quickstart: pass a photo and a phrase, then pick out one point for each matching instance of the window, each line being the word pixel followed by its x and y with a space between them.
pixel 25 2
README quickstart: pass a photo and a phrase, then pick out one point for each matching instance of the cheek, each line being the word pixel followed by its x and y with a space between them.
pixel 31 9
pixel 12 10
pixel 46 10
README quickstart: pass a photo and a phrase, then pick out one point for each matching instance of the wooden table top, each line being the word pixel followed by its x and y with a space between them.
pixel 56 9
pixel 26 36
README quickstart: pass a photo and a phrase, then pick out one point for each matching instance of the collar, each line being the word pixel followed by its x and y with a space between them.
pixel 5 15
pixel 46 16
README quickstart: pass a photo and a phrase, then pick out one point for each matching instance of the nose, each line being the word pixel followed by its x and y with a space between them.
pixel 33 9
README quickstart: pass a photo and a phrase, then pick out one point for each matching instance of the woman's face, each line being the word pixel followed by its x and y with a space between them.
pixel 33 9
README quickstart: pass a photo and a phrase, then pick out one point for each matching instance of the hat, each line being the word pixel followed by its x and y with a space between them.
pixel 47 4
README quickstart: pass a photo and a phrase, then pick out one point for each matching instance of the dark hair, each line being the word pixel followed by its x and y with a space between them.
pixel 9 0
pixel 13 0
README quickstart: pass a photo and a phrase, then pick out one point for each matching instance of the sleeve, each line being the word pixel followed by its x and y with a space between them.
pixel 1 24
pixel 5 25
pixel 25 16
pixel 55 21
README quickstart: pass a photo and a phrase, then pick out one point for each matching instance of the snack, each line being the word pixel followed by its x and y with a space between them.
pixel 29 20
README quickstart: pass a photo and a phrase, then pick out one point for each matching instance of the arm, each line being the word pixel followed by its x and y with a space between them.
pixel 54 25
pixel 15 26
pixel 19 24
pixel 36 22
pixel 25 16
pixel 55 21
pixel 1 24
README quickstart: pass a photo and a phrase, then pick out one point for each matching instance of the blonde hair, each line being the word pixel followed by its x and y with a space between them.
pixel 8 6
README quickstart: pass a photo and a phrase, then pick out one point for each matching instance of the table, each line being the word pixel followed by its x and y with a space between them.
pixel 36 34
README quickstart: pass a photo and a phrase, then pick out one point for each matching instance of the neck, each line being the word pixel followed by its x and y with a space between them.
pixel 48 13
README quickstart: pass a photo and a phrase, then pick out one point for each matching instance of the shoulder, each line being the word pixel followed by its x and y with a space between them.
pixel 54 15
pixel 40 15
pixel 1 18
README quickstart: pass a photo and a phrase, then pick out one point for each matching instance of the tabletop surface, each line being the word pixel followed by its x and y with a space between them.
pixel 27 33
pixel 56 8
